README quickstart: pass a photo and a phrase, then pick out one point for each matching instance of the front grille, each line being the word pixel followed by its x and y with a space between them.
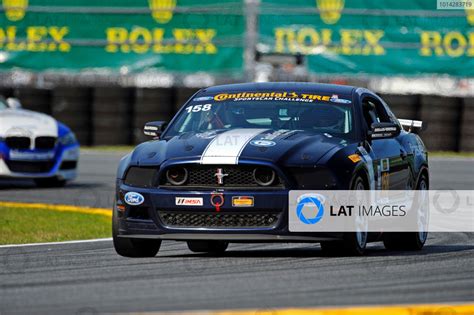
pixel 236 176
pixel 18 143
pixel 219 220
pixel 68 165
pixel 45 143
pixel 30 167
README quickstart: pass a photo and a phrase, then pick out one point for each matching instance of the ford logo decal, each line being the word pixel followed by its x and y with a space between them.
pixel 134 199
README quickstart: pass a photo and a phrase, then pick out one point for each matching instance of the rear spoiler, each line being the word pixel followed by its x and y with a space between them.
pixel 409 124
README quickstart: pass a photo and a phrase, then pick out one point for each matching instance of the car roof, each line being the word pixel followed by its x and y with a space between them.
pixel 282 86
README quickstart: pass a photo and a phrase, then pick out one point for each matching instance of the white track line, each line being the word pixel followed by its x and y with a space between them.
pixel 97 240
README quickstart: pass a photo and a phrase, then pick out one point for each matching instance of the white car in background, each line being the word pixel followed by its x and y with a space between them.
pixel 35 146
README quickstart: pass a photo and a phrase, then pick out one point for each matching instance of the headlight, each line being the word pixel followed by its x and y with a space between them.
pixel 141 177
pixel 68 139
pixel 313 178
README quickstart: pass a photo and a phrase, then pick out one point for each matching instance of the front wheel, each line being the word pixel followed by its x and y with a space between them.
pixel 135 248
pixel 353 243
pixel 410 240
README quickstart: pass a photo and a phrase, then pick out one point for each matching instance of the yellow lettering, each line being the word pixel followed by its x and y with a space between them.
pixel 470 51
pixel 58 34
pixel 431 41
pixel 140 39
pixel 205 37
pixel 117 39
pixel 373 46
pixel 183 37
pixel 454 50
pixel 349 42
pixel 34 35
pixel 326 37
pixel 284 37
pixel 307 39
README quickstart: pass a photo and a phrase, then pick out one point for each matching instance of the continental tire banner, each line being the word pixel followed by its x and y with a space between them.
pixel 375 37
pixel 124 36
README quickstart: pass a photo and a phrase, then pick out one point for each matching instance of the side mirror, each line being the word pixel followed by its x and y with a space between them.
pixel 384 130
pixel 154 128
pixel 14 103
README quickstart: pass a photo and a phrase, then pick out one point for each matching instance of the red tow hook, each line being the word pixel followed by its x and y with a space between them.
pixel 217 200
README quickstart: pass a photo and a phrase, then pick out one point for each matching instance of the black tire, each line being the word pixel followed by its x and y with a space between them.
pixel 408 241
pixel 50 182
pixel 135 248
pixel 212 247
pixel 352 243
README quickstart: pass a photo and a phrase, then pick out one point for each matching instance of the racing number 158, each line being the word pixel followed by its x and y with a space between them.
pixel 198 108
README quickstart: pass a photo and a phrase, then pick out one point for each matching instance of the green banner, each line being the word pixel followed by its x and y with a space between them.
pixel 373 37
pixel 124 36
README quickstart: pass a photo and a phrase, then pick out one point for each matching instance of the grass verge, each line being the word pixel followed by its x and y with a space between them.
pixel 23 225
pixel 452 154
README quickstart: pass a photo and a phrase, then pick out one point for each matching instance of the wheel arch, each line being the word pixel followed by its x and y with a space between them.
pixel 424 170
pixel 362 172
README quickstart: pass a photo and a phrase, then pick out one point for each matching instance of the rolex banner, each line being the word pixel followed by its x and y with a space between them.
pixel 125 36
pixel 339 37
pixel 375 37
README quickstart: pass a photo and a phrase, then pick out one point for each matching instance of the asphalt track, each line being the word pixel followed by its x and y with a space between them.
pixel 89 278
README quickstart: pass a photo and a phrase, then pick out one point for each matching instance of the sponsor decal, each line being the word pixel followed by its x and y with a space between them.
pixel 272 96
pixel 310 208
pixel 275 134
pixel 189 201
pixel 263 143
pixel 385 180
pixel 31 156
pixel 207 134
pixel 134 198
pixel 336 99
pixel 203 98
pixel 242 201
pixel 354 158
pixel 198 108
pixel 385 165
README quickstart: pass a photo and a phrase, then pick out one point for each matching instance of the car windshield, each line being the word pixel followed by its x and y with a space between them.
pixel 332 117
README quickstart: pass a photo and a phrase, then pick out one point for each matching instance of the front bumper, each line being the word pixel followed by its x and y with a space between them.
pixel 147 220
pixel 60 163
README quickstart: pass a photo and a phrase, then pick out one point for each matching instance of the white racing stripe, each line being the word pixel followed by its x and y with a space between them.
pixel 97 240
pixel 227 146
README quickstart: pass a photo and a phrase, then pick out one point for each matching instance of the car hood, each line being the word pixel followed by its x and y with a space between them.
pixel 290 147
pixel 25 123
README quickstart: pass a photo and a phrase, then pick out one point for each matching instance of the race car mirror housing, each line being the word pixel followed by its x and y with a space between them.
pixel 14 103
pixel 384 130
pixel 154 128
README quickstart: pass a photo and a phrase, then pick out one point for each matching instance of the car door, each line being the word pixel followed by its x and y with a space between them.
pixel 390 164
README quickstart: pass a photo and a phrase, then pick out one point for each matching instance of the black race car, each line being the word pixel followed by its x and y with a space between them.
pixel 222 169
